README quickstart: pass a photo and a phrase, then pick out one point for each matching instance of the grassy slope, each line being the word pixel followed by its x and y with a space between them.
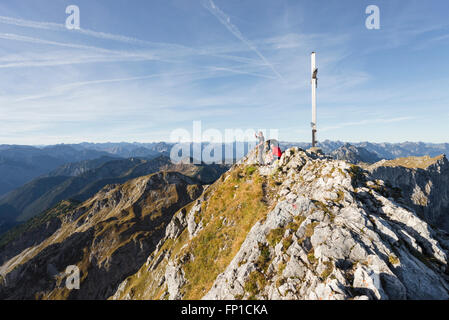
pixel 234 204
pixel 104 234
pixel 60 209
pixel 118 233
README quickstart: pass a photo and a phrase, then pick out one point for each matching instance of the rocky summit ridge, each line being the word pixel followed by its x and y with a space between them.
pixel 305 227
pixel 321 229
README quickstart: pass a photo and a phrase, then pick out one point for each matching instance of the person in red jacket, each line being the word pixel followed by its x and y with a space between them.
pixel 276 152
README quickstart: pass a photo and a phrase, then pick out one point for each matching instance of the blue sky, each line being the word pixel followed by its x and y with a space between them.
pixel 139 69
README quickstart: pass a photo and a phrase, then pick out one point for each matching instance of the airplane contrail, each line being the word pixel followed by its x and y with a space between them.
pixel 110 54
pixel 63 88
pixel 95 34
pixel 115 37
pixel 242 72
pixel 226 21
pixel 119 55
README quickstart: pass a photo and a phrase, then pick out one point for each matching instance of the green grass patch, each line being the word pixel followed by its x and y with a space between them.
pixel 296 223
pixel 310 229
pixel 264 258
pixel 250 170
pixel 287 242
pixel 311 257
pixel 255 283
pixel 275 236
pixel 329 269
pixel 281 267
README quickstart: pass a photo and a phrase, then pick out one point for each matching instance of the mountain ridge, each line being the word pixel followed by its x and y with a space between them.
pixel 20 164
pixel 93 236
pixel 335 233
pixel 354 154
pixel 43 193
pixel 305 227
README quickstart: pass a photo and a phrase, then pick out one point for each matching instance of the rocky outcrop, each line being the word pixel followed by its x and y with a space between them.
pixel 337 235
pixel 423 188
pixel 354 154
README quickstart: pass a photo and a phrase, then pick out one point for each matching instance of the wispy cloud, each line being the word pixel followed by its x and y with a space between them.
pixel 161 47
pixel 201 74
pixel 365 122
pixel 240 71
pixel 226 21
pixel 91 33
pixel 108 54
pixel 60 90
pixel 30 24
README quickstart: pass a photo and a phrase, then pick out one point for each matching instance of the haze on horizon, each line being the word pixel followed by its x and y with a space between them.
pixel 136 72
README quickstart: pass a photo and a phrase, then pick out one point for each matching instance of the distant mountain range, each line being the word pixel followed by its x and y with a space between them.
pixel 79 181
pixel 128 150
pixel 32 179
pixel 354 154
pixel 74 169
pixel 386 151
pixel 21 164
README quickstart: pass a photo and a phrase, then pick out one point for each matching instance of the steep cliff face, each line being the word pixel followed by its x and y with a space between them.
pixel 108 237
pixel 422 183
pixel 306 227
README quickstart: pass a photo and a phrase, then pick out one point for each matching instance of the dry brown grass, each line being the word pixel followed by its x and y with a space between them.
pixel 413 162
pixel 239 200
pixel 217 244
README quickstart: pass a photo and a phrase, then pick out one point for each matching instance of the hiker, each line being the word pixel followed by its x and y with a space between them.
pixel 276 152
pixel 260 147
